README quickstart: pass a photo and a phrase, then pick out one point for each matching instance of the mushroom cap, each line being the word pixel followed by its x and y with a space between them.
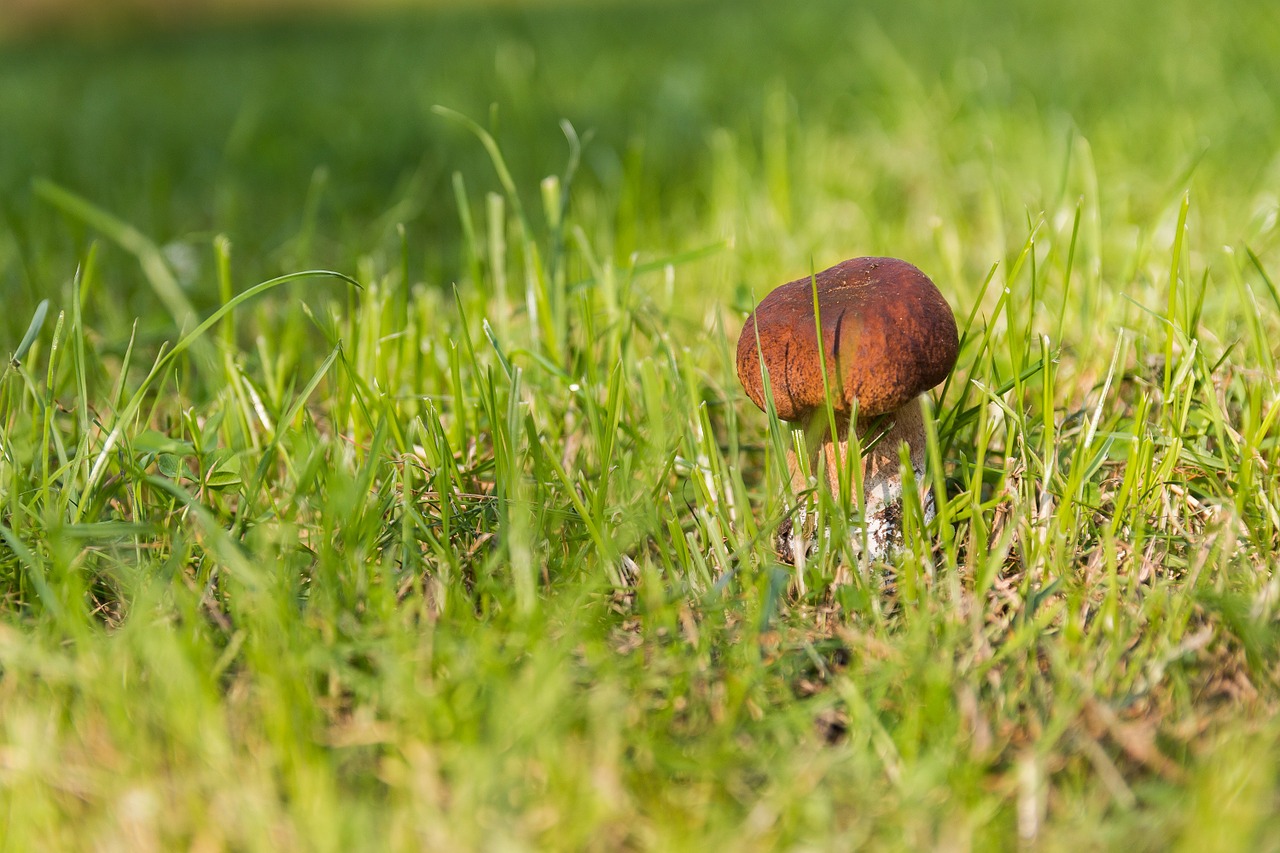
pixel 888 336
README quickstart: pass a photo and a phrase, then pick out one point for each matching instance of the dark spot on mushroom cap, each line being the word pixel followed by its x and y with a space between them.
pixel 888 336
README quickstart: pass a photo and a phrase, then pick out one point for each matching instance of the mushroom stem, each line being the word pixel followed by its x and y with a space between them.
pixel 795 536
pixel 881 475
pixel 817 436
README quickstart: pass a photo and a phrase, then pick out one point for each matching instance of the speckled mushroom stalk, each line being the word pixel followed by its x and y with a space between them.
pixel 879 439
pixel 887 337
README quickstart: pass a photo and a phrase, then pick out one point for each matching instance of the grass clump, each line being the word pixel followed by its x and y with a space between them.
pixel 468 544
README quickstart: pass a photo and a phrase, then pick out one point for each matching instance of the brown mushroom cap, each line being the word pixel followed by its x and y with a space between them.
pixel 887 336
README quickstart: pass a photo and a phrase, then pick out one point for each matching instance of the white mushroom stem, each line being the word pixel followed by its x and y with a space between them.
pixel 881 474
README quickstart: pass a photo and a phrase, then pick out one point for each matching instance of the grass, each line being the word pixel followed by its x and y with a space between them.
pixel 466 543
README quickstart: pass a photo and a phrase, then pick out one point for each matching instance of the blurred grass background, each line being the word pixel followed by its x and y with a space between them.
pixel 85 18
pixel 319 129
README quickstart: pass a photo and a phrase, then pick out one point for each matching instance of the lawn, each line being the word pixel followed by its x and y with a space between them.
pixel 374 473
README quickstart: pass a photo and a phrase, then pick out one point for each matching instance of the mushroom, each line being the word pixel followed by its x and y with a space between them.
pixel 888 336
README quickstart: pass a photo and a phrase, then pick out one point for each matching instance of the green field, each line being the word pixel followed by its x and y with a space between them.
pixel 374 473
